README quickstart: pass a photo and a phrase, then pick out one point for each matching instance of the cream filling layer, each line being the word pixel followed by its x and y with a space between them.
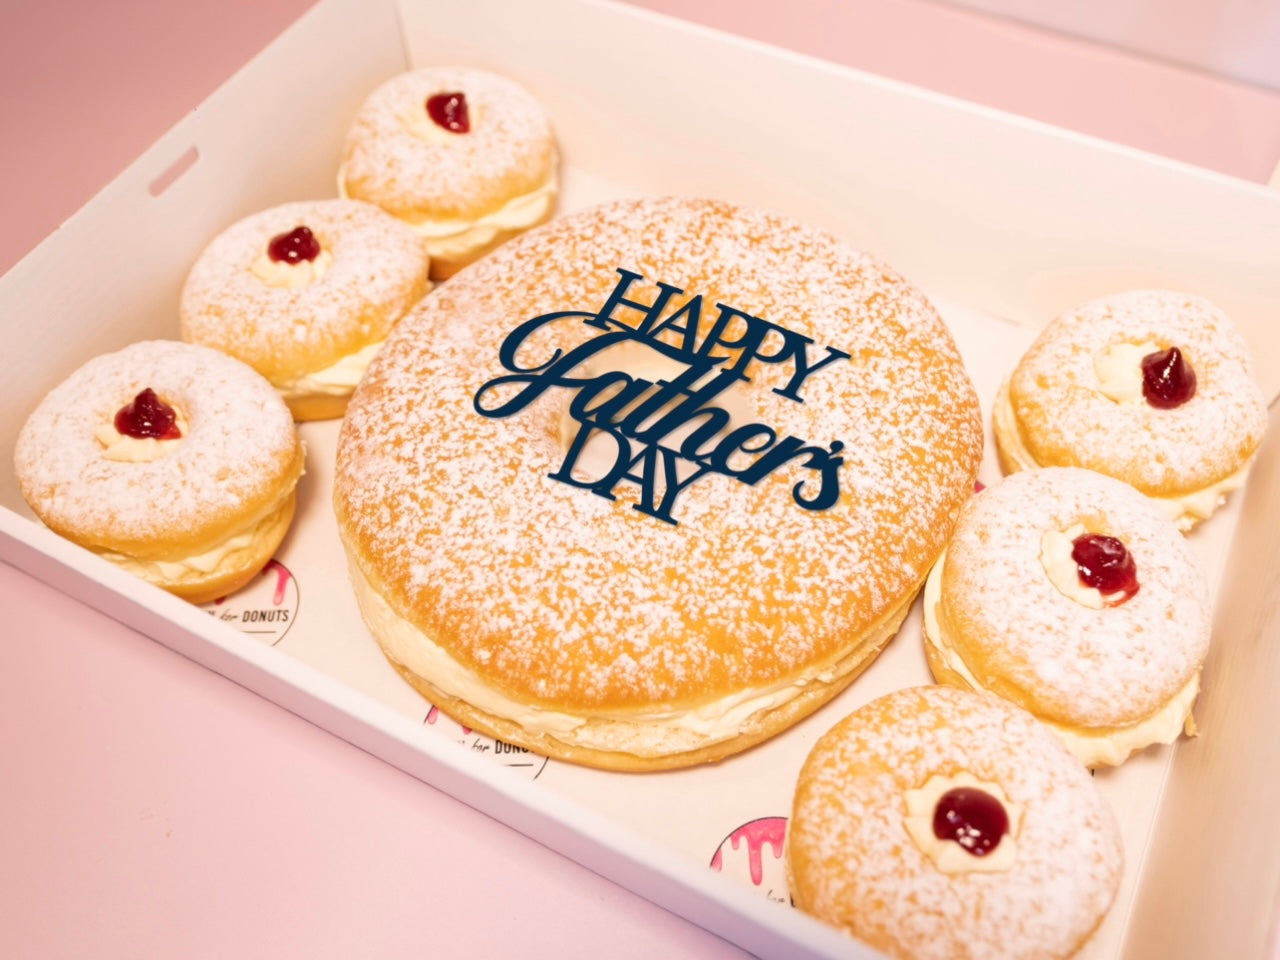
pixel 1185 510
pixel 1111 745
pixel 1119 370
pixel 279 273
pixel 1056 549
pixel 447 239
pixel 334 381
pixel 639 732
pixel 948 855
pixel 126 449
pixel 224 557
pixel 419 123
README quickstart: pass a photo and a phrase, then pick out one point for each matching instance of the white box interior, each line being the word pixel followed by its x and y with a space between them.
pixel 1002 221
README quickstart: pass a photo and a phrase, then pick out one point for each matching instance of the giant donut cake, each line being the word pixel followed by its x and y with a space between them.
pixel 594 625
pixel 941 824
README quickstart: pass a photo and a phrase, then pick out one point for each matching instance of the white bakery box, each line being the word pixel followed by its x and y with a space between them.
pixel 1002 221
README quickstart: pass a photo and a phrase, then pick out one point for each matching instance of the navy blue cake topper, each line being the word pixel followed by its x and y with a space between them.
pixel 638 414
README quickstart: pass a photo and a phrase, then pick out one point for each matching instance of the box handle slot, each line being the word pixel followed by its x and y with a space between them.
pixel 175 170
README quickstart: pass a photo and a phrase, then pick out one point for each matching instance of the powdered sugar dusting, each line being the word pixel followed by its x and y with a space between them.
pixel 241 448
pixel 854 864
pixel 508 152
pixel 1067 662
pixel 378 271
pixel 1065 420
pixel 577 601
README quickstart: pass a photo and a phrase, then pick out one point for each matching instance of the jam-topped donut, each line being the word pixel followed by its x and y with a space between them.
pixel 173 461
pixel 942 823
pixel 305 293
pixel 1153 387
pixel 1074 596
pixel 465 156
pixel 789 435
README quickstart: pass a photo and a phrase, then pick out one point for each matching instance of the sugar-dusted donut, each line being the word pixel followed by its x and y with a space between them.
pixel 941 823
pixel 700 589
pixel 1076 597
pixel 305 293
pixel 1151 386
pixel 465 156
pixel 172 460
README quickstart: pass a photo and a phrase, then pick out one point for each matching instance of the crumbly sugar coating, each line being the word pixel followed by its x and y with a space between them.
pixel 853 864
pixel 238 461
pixel 509 151
pixel 563 598
pixel 378 271
pixel 1065 420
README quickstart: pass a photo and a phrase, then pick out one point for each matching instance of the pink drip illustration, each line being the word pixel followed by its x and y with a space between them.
pixel 434 713
pixel 250 611
pixel 755 834
pixel 283 576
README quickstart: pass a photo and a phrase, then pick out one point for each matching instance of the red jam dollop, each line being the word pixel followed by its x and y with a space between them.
pixel 147 417
pixel 972 818
pixel 1167 379
pixel 297 245
pixel 449 110
pixel 1105 564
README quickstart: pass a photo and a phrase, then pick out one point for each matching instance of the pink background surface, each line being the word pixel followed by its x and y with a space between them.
pixel 151 808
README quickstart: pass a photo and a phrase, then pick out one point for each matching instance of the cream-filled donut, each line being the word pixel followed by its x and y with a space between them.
pixel 305 293
pixel 942 824
pixel 1153 387
pixel 782 462
pixel 1074 596
pixel 172 460
pixel 465 156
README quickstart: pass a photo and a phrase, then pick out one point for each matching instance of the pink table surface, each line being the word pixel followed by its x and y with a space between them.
pixel 151 808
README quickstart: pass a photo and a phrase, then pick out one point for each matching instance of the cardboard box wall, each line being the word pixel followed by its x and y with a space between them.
pixel 1003 221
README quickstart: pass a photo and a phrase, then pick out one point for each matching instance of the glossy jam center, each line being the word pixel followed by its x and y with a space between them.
pixel 449 110
pixel 1106 565
pixel 1167 379
pixel 972 818
pixel 292 247
pixel 147 416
